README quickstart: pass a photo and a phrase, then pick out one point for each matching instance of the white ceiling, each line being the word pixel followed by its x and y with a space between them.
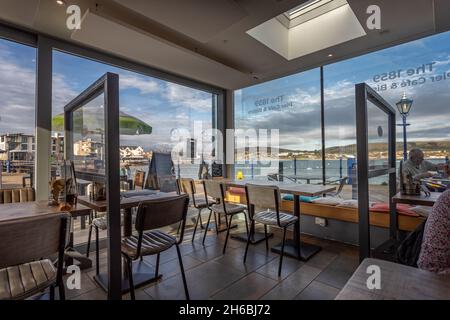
pixel 207 40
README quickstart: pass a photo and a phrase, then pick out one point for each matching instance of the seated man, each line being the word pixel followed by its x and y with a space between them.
pixel 419 168
pixel 435 251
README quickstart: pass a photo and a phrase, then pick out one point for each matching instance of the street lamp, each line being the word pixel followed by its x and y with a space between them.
pixel 404 106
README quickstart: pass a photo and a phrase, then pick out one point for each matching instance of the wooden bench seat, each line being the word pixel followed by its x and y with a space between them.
pixel 379 219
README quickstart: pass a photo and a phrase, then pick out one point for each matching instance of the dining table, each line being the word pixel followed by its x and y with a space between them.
pixel 417 200
pixel 143 272
pixel 293 248
pixel 25 210
pixel 397 282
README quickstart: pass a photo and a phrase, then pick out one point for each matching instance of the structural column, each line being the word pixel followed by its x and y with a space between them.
pixel 43 117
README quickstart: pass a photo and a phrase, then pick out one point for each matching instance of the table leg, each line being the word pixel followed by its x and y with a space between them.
pixel 143 272
pixel 127 222
pixel 294 248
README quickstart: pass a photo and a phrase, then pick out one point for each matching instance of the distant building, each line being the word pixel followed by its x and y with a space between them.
pixel 57 144
pixel 132 153
pixel 17 147
pixel 88 148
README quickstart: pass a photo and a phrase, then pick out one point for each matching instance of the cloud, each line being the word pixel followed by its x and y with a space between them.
pixel 145 85
pixel 17 95
pixel 186 97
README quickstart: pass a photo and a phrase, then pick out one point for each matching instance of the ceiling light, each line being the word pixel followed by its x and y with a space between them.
pixel 60 2
pixel 330 55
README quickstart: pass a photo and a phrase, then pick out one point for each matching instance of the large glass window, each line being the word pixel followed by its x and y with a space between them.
pixel 419 69
pixel 292 106
pixel 17 114
pixel 155 116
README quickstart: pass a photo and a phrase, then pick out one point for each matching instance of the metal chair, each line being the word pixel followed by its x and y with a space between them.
pixel 216 190
pixel 267 197
pixel 152 215
pixel 26 247
pixel 337 193
pixel 187 185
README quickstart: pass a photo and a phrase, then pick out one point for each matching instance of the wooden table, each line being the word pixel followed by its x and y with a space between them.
pixel 419 200
pixel 24 210
pixel 398 282
pixel 143 273
pixel 293 248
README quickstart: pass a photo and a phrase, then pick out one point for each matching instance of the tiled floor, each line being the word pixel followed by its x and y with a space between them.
pixel 212 275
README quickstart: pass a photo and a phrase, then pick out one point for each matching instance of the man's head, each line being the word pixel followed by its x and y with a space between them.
pixel 416 156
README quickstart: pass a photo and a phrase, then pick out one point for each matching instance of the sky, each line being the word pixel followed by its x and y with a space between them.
pixel 290 104
pixel 299 120
pixel 162 105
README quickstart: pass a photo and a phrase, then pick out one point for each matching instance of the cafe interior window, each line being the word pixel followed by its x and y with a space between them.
pixel 17 113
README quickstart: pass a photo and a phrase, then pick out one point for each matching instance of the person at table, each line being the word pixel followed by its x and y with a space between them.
pixel 435 250
pixel 419 168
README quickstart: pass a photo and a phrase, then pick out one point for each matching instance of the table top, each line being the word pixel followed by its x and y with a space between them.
pixel 23 210
pixel 421 200
pixel 125 203
pixel 398 282
pixel 289 188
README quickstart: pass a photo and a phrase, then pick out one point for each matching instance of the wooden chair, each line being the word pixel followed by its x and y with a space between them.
pixel 216 190
pixel 152 215
pixel 139 180
pixel 26 247
pixel 268 198
pixel 187 186
pixel 17 195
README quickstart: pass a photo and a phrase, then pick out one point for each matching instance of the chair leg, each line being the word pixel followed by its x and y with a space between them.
pixel 228 234
pixel 130 277
pixel 207 225
pixel 97 252
pixel 246 222
pixel 88 249
pixel 179 228
pixel 62 290
pixel 252 230
pixel 196 224
pixel 182 273
pixel 282 252
pixel 267 238
pixel 157 266
pixel 217 223
pixel 201 223
pixel 52 292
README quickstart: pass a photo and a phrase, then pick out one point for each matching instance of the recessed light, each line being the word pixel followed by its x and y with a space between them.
pixel 330 55
pixel 60 2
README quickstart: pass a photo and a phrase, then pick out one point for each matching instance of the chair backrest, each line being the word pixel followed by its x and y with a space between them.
pixel 17 195
pixel 266 197
pixel 342 183
pixel 213 189
pixel 26 240
pixel 155 214
pixel 187 185
pixel 139 179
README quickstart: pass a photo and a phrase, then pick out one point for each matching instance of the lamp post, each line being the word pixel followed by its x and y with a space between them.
pixel 404 106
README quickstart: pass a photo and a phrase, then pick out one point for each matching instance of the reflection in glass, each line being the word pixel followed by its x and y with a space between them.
pixel 88 137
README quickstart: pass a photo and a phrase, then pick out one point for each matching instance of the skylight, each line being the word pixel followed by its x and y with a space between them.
pixel 305 7
pixel 313 26
pixel 308 10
